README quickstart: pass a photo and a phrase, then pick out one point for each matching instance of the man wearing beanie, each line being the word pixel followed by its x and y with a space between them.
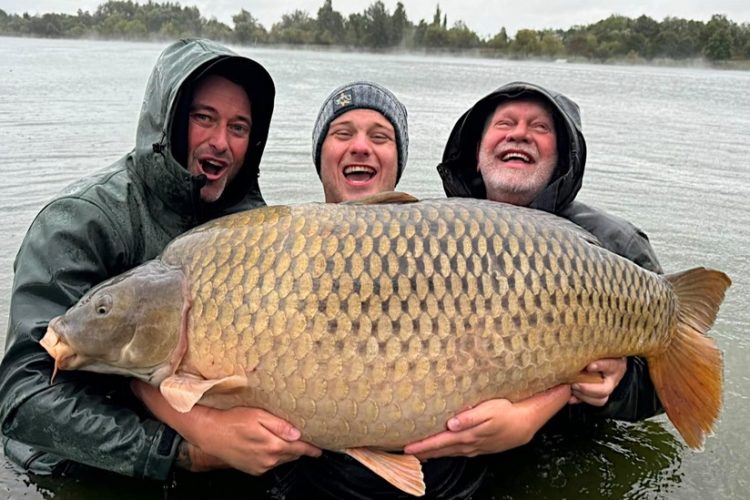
pixel 360 141
pixel 360 144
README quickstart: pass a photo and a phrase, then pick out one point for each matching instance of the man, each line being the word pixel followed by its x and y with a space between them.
pixel 360 141
pixel 201 134
pixel 522 144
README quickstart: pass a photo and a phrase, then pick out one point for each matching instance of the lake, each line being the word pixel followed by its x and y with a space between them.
pixel 669 149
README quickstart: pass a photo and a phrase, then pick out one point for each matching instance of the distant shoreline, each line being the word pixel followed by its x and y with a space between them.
pixel 697 63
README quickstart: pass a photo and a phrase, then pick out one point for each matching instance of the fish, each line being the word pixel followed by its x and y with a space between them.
pixel 367 325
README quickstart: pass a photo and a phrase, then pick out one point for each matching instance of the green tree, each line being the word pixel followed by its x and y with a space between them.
pixel 527 43
pixel 377 26
pixel 295 28
pixel 216 30
pixel 330 25
pixel 718 35
pixel 500 41
pixel 401 28
pixel 461 37
pixel 247 29
pixel 551 44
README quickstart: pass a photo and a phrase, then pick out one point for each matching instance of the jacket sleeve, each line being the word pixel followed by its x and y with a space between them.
pixel 635 397
pixel 85 418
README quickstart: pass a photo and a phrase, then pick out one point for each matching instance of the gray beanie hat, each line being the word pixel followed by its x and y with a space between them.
pixel 362 95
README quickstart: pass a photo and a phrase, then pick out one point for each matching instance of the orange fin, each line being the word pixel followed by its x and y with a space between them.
pixel 382 198
pixel 402 471
pixel 182 392
pixel 687 375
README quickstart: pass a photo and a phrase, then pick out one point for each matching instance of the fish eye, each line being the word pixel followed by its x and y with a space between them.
pixel 103 305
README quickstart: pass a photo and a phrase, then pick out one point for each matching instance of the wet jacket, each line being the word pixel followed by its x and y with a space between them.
pixel 97 228
pixel 635 397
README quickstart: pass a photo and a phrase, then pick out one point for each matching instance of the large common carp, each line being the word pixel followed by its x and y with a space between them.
pixel 368 325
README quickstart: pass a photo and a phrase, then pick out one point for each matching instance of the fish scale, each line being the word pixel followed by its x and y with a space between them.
pixel 369 325
pixel 316 280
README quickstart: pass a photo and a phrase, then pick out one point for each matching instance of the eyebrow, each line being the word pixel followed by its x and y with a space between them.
pixel 205 107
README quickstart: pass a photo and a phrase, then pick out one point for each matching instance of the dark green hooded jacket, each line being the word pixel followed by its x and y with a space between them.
pixel 97 228
pixel 635 397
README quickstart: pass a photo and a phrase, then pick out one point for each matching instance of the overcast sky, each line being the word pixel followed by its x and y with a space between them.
pixel 485 17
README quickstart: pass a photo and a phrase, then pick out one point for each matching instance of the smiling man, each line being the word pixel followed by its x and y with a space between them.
pixel 201 134
pixel 360 141
pixel 219 126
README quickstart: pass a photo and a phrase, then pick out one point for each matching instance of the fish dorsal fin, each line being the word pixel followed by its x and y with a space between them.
pixel 402 471
pixel 182 391
pixel 383 198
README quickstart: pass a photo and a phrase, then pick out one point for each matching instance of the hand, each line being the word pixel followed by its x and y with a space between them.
pixel 248 439
pixel 611 371
pixel 493 426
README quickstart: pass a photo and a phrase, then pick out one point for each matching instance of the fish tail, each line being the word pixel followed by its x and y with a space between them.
pixel 688 374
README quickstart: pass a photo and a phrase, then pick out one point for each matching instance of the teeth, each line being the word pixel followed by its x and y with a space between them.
pixel 517 156
pixel 358 169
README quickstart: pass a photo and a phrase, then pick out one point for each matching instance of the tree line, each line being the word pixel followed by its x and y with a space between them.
pixel 376 28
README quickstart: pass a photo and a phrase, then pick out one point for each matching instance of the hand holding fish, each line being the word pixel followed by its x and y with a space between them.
pixel 493 426
pixel 611 370
pixel 248 439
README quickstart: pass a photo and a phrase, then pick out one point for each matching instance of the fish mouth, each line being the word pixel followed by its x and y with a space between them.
pixel 60 351
pixel 359 174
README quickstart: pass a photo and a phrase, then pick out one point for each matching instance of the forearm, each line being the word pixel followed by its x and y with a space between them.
pixel 89 423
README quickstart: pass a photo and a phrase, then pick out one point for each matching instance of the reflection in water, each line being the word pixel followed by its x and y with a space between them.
pixel 606 460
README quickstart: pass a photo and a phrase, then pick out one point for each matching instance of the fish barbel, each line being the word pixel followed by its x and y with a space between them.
pixel 368 325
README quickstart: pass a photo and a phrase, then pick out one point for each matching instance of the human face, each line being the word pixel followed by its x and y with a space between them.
pixel 219 126
pixel 518 151
pixel 359 156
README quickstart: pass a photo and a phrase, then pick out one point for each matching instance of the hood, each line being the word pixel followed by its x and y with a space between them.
pixel 162 128
pixel 458 169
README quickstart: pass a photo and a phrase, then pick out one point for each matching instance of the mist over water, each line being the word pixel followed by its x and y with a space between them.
pixel 668 149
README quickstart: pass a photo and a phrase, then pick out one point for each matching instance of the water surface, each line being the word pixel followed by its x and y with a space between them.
pixel 668 150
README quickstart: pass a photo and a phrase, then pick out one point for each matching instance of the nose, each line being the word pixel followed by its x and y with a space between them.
pixel 519 132
pixel 360 145
pixel 218 140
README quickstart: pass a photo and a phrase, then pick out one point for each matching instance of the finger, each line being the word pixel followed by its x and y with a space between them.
pixel 435 442
pixel 449 451
pixel 279 427
pixel 472 418
pixel 300 448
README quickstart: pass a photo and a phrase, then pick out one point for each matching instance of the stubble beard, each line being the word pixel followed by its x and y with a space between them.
pixel 519 187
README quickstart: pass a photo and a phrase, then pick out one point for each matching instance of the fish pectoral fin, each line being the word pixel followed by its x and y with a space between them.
pixel 382 198
pixel 402 471
pixel 182 392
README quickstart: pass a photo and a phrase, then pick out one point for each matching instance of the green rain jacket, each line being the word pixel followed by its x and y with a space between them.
pixel 635 397
pixel 97 228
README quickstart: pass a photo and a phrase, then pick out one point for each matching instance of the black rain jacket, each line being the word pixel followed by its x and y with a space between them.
pixel 99 227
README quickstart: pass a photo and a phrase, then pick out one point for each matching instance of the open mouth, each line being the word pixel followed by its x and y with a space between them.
pixel 212 169
pixel 516 156
pixel 359 173
pixel 60 351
